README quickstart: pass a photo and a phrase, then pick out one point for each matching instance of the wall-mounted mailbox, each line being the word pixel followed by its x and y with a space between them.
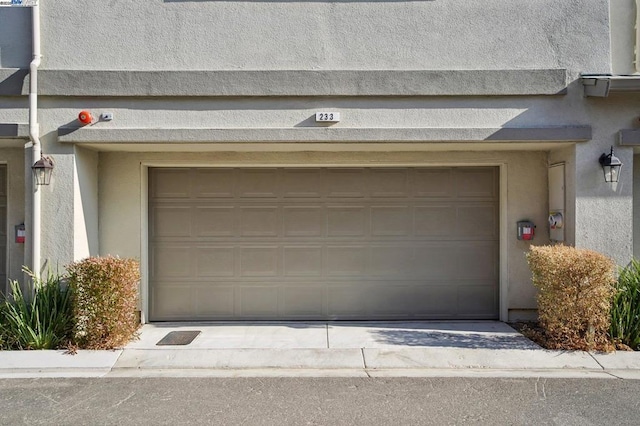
pixel 526 230
pixel 20 233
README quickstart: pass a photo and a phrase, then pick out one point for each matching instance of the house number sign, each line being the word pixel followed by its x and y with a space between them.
pixel 328 116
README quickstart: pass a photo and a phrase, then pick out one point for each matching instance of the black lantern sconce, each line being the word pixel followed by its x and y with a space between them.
pixel 611 166
pixel 42 170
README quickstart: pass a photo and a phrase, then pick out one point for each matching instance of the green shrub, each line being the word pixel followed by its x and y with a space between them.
pixel 40 321
pixel 576 288
pixel 625 310
pixel 105 301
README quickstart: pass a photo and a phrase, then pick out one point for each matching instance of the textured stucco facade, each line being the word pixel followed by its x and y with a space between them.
pixel 215 84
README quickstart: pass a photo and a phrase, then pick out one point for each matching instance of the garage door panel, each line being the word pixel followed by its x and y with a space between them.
pixel 259 302
pixel 477 261
pixel 257 183
pixel 171 221
pixel 215 222
pixel 171 183
pixel 392 261
pixel 434 220
pixel 345 183
pixel 389 301
pixel 477 220
pixel 259 221
pixel 215 262
pixel 390 221
pixel 259 261
pixel 302 183
pixel 346 221
pixel 433 183
pixel 214 183
pixel 346 260
pixel 302 261
pixel 173 301
pixel 389 183
pixel 323 243
pixel 214 302
pixel 477 300
pixel 437 261
pixel 171 261
pixel 476 183
pixel 346 301
pixel 302 300
pixel 307 221
pixel 438 299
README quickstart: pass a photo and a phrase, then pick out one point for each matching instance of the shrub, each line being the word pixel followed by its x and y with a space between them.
pixel 576 288
pixel 41 321
pixel 105 301
pixel 625 310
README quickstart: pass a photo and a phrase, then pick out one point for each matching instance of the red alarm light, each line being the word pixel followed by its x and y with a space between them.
pixel 85 117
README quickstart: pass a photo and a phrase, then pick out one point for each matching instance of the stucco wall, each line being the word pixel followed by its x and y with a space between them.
pixel 474 34
pixel 58 232
pixel 623 36
pixel 604 212
pixel 15 43
pixel 85 208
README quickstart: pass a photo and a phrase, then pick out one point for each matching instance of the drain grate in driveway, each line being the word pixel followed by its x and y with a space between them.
pixel 178 338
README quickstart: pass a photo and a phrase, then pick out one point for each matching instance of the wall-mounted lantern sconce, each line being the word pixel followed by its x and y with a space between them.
pixel 611 166
pixel 42 170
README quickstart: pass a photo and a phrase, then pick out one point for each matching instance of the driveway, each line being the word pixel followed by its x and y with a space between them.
pixel 338 335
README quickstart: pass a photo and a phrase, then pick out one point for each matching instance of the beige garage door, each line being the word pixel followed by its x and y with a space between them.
pixel 323 243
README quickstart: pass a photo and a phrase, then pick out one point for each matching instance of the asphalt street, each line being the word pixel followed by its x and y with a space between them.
pixel 319 401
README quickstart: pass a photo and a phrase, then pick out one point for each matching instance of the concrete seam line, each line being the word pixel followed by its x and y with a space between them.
pixel 364 360
pixel 116 361
pixel 613 375
pixel 598 362
pixel 327 330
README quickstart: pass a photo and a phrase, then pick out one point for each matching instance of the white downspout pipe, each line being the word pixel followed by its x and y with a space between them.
pixel 34 134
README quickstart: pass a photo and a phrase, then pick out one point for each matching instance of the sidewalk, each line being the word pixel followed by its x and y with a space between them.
pixel 364 349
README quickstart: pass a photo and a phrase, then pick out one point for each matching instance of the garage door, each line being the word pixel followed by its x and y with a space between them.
pixel 323 243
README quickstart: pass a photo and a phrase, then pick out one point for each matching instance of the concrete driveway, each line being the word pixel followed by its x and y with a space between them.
pixel 338 335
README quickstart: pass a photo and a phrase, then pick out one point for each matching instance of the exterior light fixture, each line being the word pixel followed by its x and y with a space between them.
pixel 611 166
pixel 42 170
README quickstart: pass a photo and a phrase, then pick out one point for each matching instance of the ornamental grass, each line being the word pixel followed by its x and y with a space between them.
pixel 625 310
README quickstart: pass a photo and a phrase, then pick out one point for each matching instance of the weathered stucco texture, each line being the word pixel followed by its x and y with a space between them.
pixel 475 34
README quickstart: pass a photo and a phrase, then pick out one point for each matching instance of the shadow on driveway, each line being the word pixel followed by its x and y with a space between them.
pixel 436 338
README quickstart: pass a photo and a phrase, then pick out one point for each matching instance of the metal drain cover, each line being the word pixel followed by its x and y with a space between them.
pixel 178 338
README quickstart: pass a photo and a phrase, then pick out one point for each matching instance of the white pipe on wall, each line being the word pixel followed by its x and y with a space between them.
pixel 34 134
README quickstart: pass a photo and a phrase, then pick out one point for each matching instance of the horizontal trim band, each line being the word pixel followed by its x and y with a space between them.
pixel 14 131
pixel 323 134
pixel 288 83
pixel 629 137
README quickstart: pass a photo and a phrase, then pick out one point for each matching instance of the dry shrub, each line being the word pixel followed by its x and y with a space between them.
pixel 576 288
pixel 105 301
